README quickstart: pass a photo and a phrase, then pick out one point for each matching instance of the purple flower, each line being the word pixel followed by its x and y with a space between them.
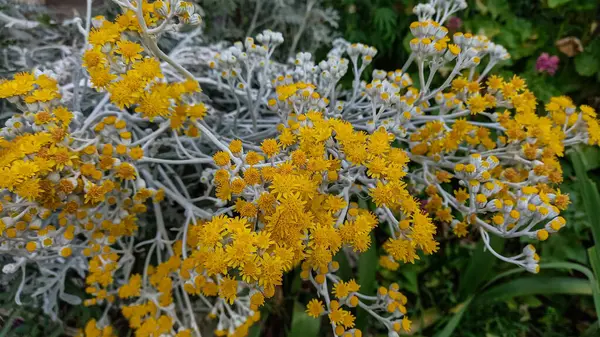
pixel 547 63
pixel 454 23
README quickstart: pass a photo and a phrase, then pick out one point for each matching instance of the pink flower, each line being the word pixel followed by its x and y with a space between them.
pixel 547 63
pixel 454 23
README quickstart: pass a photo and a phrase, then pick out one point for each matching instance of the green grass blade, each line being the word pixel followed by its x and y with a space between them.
pixel 479 269
pixel 591 203
pixel 591 275
pixel 589 194
pixel 302 324
pixel 536 286
pixel 568 265
pixel 367 270
pixel 453 322
pixel 595 263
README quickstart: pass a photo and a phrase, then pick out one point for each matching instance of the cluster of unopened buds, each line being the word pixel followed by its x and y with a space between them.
pixel 171 203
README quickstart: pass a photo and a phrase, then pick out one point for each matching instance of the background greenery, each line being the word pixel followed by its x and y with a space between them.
pixel 462 290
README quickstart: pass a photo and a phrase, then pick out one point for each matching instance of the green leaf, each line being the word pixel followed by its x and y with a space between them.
pixel 524 28
pixel 593 330
pixel 595 263
pixel 453 322
pixel 345 272
pixel 556 3
pixel 255 330
pixel 367 270
pixel 406 42
pixel 585 5
pixel 561 247
pixel 498 7
pixel 479 269
pixel 483 25
pixel 385 21
pixel 528 287
pixel 590 155
pixel 302 324
pixel 586 64
pixel 532 302
pixel 536 286
pixel 481 7
pixel 541 87
pixel 412 283
pixel 589 194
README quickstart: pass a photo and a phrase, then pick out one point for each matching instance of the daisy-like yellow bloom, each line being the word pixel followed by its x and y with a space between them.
pixel 315 308
pixel 130 51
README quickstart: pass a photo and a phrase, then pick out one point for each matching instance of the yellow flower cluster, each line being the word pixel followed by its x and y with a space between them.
pixel 116 64
pixel 508 168
pixel 296 192
pixel 48 172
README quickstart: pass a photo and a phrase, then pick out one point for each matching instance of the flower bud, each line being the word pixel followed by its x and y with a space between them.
pixel 161 8
pixel 195 20
pixel 140 183
pixel 529 250
pixel 54 177
pixel 9 268
pixel 180 7
pixel 532 267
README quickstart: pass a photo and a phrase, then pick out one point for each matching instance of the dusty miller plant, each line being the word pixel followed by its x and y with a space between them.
pixel 174 183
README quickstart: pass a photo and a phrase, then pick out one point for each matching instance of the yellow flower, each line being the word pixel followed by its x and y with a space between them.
pixel 401 250
pixel 341 290
pixel 102 36
pixel 101 76
pixel 29 189
pixel 253 158
pixel 406 324
pixel 315 308
pixel 126 91
pixel 126 171
pixel 93 58
pixel 197 111
pixel 221 158
pixel 24 169
pixel 130 51
pixel 133 288
pixel 250 272
pixel 459 83
pixel 136 153
pixel 154 103
pixel 235 146
pixel 228 289
pixel 460 229
pixel 42 95
pixel 63 115
pixel 61 157
pixel 95 193
pixel 270 147
pixel 148 68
